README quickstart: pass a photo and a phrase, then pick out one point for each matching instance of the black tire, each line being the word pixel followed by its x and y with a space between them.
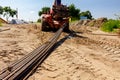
pixel 66 29
pixel 44 26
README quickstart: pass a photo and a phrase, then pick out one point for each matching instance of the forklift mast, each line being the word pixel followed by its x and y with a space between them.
pixel 57 2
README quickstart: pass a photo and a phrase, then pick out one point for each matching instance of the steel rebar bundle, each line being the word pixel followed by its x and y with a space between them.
pixel 24 67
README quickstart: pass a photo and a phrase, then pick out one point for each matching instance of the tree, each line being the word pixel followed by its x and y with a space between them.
pixel 44 10
pixel 1 10
pixel 86 14
pixel 74 12
pixel 13 13
pixel 8 12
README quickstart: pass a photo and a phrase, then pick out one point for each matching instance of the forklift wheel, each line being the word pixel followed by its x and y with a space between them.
pixel 44 26
pixel 66 29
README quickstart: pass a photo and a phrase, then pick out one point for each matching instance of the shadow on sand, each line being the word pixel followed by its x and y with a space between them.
pixel 56 45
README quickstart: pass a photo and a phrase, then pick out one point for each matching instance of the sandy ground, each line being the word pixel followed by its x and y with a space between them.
pixel 86 54
pixel 16 41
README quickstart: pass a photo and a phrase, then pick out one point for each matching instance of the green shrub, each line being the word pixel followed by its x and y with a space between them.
pixel 39 20
pixel 110 25
pixel 74 19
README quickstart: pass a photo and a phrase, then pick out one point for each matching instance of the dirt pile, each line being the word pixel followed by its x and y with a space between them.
pixel 97 23
pixel 93 23
pixel 85 24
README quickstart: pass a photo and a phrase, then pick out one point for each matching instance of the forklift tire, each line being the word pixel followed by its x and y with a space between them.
pixel 44 26
pixel 66 29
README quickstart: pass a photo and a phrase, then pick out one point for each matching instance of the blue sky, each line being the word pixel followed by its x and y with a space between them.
pixel 28 9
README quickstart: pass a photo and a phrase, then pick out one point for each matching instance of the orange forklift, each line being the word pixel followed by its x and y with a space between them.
pixel 56 17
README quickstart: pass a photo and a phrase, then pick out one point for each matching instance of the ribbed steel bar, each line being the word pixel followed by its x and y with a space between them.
pixel 22 68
